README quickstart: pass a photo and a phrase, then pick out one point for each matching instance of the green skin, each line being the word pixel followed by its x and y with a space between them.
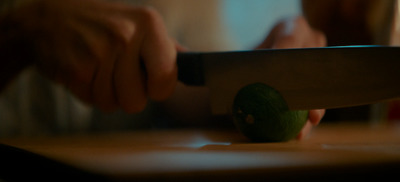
pixel 261 114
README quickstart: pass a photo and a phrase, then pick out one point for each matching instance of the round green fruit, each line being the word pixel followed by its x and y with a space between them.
pixel 261 114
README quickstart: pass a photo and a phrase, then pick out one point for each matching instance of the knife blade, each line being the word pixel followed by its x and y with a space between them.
pixel 307 78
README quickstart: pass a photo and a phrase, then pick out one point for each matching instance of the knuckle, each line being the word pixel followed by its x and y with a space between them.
pixel 139 21
pixel 149 15
pixel 122 30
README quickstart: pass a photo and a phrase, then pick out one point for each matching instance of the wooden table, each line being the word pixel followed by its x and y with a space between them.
pixel 333 152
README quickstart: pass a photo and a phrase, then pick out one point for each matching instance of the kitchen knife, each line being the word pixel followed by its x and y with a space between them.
pixel 307 78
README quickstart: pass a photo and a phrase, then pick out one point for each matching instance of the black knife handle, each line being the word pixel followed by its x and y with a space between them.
pixel 190 68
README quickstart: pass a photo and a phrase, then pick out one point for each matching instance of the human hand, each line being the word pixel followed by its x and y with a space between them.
pixel 297 33
pixel 110 55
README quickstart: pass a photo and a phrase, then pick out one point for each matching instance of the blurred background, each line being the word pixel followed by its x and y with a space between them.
pixel 250 21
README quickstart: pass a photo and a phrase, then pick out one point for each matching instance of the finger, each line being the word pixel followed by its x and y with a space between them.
pixel 305 131
pixel 316 115
pixel 161 72
pixel 159 57
pixel 77 78
pixel 102 89
pixel 288 41
pixel 129 81
pixel 315 38
pixel 95 51
pixel 320 39
pixel 80 90
pixel 272 36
